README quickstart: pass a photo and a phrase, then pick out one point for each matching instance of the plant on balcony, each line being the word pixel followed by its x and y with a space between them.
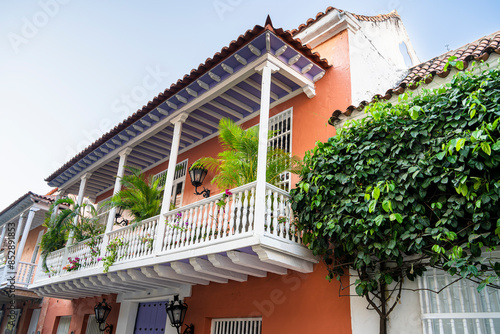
pixel 112 252
pixel 141 196
pixel 177 223
pixel 236 165
pixel 73 265
pixel 148 241
pixel 59 226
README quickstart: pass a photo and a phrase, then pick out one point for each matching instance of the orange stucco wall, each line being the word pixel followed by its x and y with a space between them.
pixel 293 303
pixel 29 247
pixel 78 309
pixel 310 116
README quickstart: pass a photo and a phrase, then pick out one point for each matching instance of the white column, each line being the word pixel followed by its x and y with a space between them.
pixel 16 239
pixel 2 237
pixel 19 228
pixel 26 231
pixel 126 317
pixel 172 161
pixel 118 186
pixel 267 68
pixel 79 201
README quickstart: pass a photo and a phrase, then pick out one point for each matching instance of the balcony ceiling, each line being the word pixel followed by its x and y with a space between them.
pixel 230 89
pixel 174 277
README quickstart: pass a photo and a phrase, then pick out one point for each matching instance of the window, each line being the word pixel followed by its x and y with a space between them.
pixel 459 308
pixel 237 326
pixel 179 181
pixel 92 326
pixel 281 138
pixel 63 327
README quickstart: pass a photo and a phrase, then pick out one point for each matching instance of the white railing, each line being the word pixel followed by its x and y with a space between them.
pixel 86 254
pixel 25 273
pixel 278 219
pixel 55 262
pixel 209 221
pixel 139 239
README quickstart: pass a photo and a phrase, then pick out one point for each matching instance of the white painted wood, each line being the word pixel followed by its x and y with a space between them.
pixel 237 102
pixel 214 76
pixel 34 321
pixel 181 98
pixel 187 270
pixel 283 260
pixel 203 85
pixel 240 59
pixel 267 68
pixel 191 92
pixel 27 227
pixel 254 50
pixel 281 50
pixel 79 201
pixel 170 273
pixel 294 59
pixel 227 68
pixel 253 261
pixel 127 317
pixel 224 262
pixel 225 109
pixel 63 327
pixel 206 267
pixel 167 194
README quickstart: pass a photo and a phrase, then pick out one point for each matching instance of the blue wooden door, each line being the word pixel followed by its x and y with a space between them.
pixel 151 318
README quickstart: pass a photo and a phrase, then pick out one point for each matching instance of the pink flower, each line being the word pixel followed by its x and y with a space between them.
pixel 228 193
pixel 99 259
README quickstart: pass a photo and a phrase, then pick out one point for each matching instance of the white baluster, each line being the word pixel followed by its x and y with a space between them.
pixel 204 223
pixel 244 213
pixel 225 222
pixel 232 228
pixel 220 221
pixel 194 222
pixel 213 220
pixel 275 213
pixel 239 225
pixel 251 210
pixel 268 212
pixel 199 225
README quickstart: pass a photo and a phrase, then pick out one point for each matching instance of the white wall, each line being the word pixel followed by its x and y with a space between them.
pixel 377 63
pixel 404 319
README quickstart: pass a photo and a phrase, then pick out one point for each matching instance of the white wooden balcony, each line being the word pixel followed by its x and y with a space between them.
pixel 212 240
pixel 24 274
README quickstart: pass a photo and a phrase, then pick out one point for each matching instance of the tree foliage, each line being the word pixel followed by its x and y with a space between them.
pixel 236 165
pixel 140 195
pixel 412 185
pixel 59 226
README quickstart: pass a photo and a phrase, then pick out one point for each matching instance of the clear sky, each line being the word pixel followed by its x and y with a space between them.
pixel 70 70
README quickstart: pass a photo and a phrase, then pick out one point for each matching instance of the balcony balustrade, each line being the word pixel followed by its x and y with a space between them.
pixel 212 221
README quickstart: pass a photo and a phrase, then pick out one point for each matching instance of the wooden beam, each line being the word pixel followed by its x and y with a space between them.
pixel 253 261
pixel 206 267
pixel 277 258
pixel 187 270
pixel 204 121
pixel 170 273
pixel 281 85
pixel 225 109
pixel 246 94
pixel 236 102
pixel 256 85
pixel 223 262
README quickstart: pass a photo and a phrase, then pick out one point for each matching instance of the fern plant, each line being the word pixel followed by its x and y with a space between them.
pixel 141 196
pixel 236 165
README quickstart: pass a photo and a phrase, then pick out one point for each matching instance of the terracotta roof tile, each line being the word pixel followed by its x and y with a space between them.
pixel 29 193
pixel 203 68
pixel 477 50
pixel 376 18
